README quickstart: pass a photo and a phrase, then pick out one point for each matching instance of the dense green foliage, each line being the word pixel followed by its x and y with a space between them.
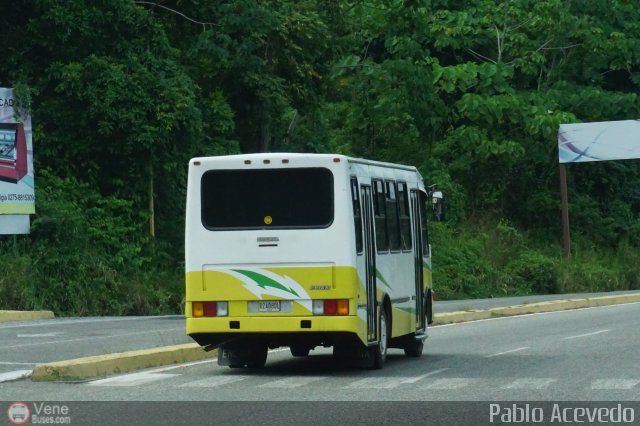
pixel 472 92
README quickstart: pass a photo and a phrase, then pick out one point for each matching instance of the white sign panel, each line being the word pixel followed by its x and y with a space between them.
pixel 600 141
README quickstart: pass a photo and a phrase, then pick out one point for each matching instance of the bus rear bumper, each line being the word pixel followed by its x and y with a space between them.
pixel 212 332
pixel 348 323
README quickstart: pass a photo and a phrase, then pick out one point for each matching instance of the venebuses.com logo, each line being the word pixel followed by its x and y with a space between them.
pixel 18 413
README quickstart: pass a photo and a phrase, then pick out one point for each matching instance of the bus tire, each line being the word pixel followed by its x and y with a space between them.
pixel 299 350
pixel 380 350
pixel 413 348
pixel 428 302
pixel 259 357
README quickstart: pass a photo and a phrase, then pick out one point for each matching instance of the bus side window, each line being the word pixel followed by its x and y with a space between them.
pixel 423 216
pixel 403 215
pixel 379 199
pixel 393 227
pixel 357 213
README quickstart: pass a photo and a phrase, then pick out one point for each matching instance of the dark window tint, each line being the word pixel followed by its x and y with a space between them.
pixel 267 198
pixel 423 224
pixel 393 227
pixel 357 214
pixel 379 207
pixel 403 215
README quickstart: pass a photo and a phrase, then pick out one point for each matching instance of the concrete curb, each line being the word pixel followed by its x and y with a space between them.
pixel 117 363
pixel 25 315
pixel 104 365
pixel 549 306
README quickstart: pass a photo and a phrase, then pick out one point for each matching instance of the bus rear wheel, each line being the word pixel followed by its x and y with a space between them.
pixel 380 350
pixel 413 348
pixel 259 358
pixel 299 350
pixel 428 302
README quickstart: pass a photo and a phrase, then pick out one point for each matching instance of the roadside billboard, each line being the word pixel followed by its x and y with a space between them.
pixel 599 141
pixel 17 189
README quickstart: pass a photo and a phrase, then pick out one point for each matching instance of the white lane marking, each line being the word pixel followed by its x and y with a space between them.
pixel 291 382
pixel 155 372
pixel 19 363
pixel 388 382
pixel 215 381
pixel 84 339
pixel 418 378
pixel 15 375
pixel 134 379
pixel 586 334
pixel 72 321
pixel 294 382
pixel 376 383
pixel 611 384
pixel 529 383
pixel 187 365
pixel 451 383
pixel 508 352
pixel 54 334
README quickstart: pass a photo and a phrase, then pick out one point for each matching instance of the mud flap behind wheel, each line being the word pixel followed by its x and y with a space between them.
pixel 224 356
pixel 233 356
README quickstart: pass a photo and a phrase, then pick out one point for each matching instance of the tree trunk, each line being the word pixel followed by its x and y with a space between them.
pixel 265 131
pixel 152 224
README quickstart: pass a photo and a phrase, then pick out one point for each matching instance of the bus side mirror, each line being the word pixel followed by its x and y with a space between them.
pixel 438 206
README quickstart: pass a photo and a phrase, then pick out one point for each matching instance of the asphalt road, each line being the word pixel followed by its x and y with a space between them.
pixel 587 354
pixel 28 343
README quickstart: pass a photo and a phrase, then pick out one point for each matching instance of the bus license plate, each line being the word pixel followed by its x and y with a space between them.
pixel 269 306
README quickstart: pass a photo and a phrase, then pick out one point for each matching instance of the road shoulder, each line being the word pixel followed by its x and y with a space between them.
pixel 6 316
pixel 118 363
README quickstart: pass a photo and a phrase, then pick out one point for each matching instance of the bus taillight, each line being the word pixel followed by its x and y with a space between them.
pixel 210 309
pixel 197 309
pixel 343 307
pixel 331 307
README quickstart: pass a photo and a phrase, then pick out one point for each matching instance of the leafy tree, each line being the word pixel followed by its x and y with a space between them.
pixel 258 65
pixel 124 92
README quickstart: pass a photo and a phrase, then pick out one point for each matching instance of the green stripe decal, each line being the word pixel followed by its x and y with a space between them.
pixel 408 310
pixel 264 282
pixel 426 265
pixel 381 278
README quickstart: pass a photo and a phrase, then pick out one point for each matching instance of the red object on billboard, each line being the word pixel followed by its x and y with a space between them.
pixel 13 152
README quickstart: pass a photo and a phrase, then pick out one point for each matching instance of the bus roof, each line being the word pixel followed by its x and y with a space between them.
pixel 288 155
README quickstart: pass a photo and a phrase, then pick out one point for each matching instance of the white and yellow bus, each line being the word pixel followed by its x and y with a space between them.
pixel 306 250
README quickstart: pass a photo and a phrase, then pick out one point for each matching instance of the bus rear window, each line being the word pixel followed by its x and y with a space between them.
pixel 267 198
